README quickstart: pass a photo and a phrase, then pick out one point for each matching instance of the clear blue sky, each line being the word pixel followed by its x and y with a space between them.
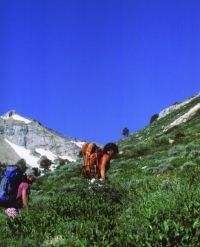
pixel 89 68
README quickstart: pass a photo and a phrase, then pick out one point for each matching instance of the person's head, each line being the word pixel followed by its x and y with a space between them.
pixel 22 164
pixel 111 149
pixel 30 176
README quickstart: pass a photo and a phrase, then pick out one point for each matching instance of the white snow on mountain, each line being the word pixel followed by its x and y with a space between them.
pixel 32 141
pixel 24 154
pixel 30 159
pixel 184 117
pixel 20 118
pixel 46 153
pixel 168 110
pixel 78 143
pixel 65 157
pixel 52 156
pixel 14 116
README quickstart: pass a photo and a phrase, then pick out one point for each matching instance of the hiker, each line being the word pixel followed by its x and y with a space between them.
pixel 109 151
pixel 96 160
pixel 24 189
pixel 21 200
pixel 10 181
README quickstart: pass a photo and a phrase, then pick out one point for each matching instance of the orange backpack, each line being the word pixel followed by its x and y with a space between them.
pixel 91 154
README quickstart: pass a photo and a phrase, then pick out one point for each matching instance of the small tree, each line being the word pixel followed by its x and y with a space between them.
pixel 63 161
pixel 36 171
pixel 45 163
pixel 125 132
pixel 22 164
pixel 154 118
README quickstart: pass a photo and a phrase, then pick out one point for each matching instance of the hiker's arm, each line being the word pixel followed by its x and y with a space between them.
pixel 24 198
pixel 105 160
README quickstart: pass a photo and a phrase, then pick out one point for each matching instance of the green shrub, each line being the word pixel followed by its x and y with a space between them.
pixel 163 168
pixel 179 136
pixel 140 150
pixel 188 165
pixel 177 161
pixel 176 150
pixel 162 141
pixel 191 147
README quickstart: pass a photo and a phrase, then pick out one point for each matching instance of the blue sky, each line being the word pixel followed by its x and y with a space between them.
pixel 89 68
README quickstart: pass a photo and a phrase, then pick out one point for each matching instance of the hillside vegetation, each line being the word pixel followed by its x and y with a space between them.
pixel 151 197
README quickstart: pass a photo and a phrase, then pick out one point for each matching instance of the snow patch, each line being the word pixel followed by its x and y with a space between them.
pixel 188 115
pixel 24 154
pixel 175 107
pixel 14 116
pixel 65 157
pixel 46 153
pixel 79 144
pixel 22 119
pixel 31 159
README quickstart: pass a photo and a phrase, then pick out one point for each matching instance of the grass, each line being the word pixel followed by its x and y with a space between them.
pixel 151 197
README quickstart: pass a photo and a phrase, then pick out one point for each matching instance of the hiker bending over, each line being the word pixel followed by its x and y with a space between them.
pixel 96 160
pixel 22 195
pixel 109 151
pixel 24 189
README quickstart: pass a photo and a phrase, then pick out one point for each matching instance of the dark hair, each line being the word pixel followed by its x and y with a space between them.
pixel 26 180
pixel 111 146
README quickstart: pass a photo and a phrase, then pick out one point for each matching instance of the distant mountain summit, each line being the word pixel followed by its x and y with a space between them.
pixel 177 106
pixel 22 137
pixel 12 115
pixel 176 118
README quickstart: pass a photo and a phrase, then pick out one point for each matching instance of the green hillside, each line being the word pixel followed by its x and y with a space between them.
pixel 151 197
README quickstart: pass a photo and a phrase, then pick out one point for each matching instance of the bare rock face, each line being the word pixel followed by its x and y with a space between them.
pixel 7 154
pixel 23 135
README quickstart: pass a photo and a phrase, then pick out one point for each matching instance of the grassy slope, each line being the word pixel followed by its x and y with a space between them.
pixel 151 199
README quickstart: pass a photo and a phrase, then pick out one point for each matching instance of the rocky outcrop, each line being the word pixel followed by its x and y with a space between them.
pixel 7 154
pixel 32 135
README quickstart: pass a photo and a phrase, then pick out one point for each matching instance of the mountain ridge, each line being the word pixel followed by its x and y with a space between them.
pixel 25 136
pixel 19 132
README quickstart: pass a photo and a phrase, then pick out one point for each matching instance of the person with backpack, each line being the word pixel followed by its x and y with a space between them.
pixel 22 197
pixel 11 179
pixel 97 160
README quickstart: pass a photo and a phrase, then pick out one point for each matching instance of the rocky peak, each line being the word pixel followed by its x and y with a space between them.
pixel 9 114
pixel 29 139
pixel 12 115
